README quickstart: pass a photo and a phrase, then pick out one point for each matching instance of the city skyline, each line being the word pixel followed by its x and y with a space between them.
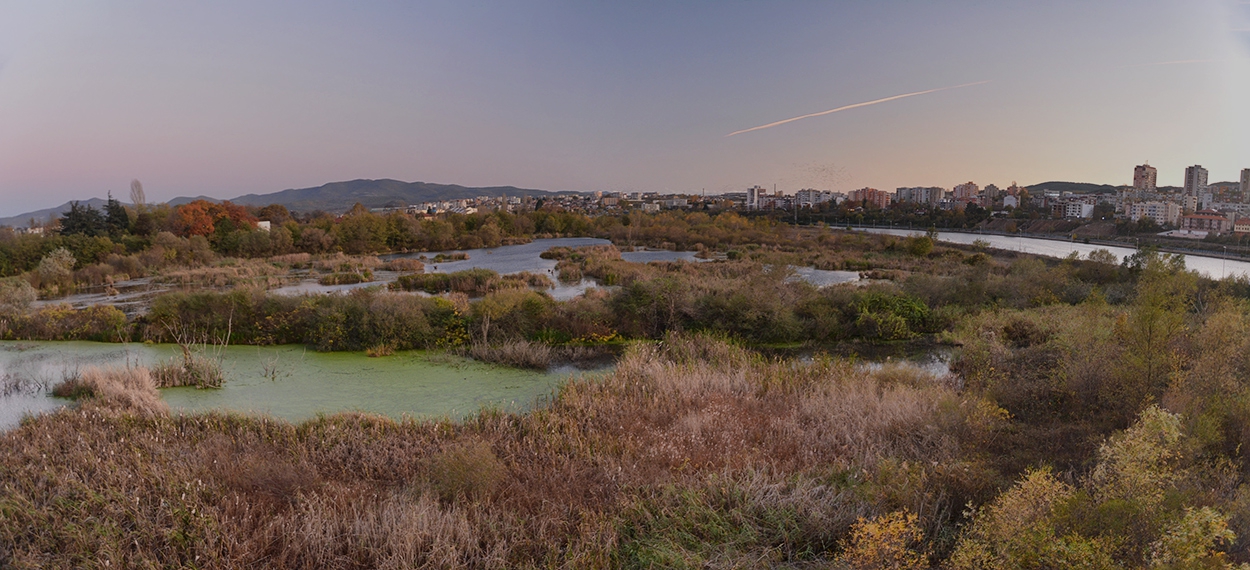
pixel 232 98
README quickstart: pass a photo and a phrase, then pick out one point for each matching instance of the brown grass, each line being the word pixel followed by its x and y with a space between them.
pixel 404 264
pixel 692 452
pixel 519 353
pixel 193 369
pixel 227 273
pixel 127 389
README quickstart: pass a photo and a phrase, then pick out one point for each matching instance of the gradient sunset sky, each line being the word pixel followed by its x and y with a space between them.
pixel 225 98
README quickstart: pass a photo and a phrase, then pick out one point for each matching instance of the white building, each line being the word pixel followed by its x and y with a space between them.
pixel 755 195
pixel 929 196
pixel 1078 210
pixel 809 197
pixel 1161 212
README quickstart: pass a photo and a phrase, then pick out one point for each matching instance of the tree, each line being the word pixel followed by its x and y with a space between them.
pixel 56 268
pixel 83 219
pixel 137 197
pixel 16 295
pixel 116 218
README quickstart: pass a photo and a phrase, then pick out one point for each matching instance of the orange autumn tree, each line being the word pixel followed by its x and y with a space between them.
pixel 200 217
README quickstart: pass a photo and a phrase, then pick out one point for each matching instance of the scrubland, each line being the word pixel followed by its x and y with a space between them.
pixel 1097 416
pixel 693 451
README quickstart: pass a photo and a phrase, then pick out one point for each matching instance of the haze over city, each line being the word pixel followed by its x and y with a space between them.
pixel 229 98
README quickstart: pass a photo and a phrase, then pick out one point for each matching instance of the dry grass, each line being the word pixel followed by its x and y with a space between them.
pixel 518 353
pixel 690 453
pixel 404 264
pixel 194 369
pixel 127 389
pixel 228 273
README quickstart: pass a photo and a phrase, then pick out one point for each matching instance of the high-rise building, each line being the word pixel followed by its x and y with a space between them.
pixel 871 196
pixel 1161 212
pixel 966 191
pixel 929 196
pixel 754 194
pixel 1195 180
pixel 1145 177
pixel 1245 185
pixel 808 197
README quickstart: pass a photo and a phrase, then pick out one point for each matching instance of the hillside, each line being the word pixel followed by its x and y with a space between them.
pixel 341 196
pixel 332 197
pixel 1074 187
pixel 23 220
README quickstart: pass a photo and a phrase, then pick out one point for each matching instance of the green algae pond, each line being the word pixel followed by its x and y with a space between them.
pixel 289 382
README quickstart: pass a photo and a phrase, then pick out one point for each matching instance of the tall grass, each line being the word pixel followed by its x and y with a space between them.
pixel 131 390
pixel 694 452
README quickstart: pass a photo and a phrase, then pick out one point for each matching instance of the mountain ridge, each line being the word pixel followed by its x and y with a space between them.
pixel 333 197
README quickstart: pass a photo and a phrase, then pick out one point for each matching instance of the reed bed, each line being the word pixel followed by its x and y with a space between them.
pixel 693 452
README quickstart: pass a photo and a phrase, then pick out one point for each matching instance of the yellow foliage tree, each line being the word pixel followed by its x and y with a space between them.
pixel 887 542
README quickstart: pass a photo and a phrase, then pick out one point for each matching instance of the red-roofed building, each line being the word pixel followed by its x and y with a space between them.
pixel 1209 221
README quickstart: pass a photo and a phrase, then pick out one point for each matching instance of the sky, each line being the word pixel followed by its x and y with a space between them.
pixel 229 97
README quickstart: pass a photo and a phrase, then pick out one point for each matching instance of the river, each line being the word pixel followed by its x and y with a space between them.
pixel 1214 267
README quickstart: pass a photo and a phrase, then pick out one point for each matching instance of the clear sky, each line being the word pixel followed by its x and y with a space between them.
pixel 229 97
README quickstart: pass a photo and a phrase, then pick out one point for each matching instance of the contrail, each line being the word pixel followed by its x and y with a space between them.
pixel 864 104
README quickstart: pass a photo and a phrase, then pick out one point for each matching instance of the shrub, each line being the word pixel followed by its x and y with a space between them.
pixel 405 264
pixel 16 295
pixel 887 542
pixel 919 246
pixel 102 323
pixel 474 282
pixel 465 471
pixel 56 269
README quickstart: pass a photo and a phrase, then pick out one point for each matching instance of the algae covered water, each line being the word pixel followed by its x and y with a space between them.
pixel 289 382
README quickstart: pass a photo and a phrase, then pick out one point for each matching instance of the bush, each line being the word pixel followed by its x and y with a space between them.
pixel 16 295
pixel 465 471
pixel 102 323
pixel 474 282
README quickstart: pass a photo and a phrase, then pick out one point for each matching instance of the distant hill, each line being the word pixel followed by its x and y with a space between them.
pixel 1073 187
pixel 23 220
pixel 341 196
pixel 187 200
pixel 334 197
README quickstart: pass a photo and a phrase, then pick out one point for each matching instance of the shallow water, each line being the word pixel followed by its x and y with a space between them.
pixel 285 381
pixel 824 277
pixel 1212 266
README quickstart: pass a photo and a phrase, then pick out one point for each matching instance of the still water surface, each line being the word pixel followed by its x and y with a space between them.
pixel 1214 267
pixel 285 381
